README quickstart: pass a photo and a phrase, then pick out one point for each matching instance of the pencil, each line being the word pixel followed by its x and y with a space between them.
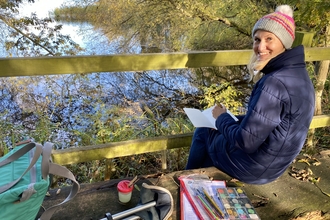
pixel 206 207
pixel 212 202
pixel 204 204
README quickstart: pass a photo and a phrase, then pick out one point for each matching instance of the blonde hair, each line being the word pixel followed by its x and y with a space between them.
pixel 255 66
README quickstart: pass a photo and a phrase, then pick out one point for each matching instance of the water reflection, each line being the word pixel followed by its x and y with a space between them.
pixel 92 40
pixel 75 101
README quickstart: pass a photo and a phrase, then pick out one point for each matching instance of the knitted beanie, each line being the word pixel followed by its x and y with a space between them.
pixel 280 23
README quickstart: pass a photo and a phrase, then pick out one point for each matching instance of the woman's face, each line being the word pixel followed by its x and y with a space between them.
pixel 266 45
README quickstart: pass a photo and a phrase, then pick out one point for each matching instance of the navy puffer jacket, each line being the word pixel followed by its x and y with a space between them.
pixel 260 147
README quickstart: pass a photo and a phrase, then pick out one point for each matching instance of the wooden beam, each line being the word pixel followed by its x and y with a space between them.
pixel 120 149
pixel 118 63
pixel 317 54
pixel 128 148
pixel 34 66
pixel 320 121
pixel 303 38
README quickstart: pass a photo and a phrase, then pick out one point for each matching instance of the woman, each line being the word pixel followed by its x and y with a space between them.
pixel 262 144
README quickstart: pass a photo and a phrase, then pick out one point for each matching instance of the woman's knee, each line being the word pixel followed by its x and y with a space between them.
pixel 201 133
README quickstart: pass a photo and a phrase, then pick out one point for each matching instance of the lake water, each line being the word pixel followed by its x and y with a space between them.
pixel 82 33
pixel 95 43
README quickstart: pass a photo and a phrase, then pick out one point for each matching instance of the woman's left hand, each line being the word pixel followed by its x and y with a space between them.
pixel 218 110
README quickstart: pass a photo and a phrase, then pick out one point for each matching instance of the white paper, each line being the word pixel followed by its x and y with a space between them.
pixel 188 210
pixel 203 118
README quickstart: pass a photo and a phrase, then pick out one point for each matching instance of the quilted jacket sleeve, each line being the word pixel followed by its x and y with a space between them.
pixel 266 108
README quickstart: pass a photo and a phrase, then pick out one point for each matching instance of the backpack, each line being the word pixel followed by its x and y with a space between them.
pixel 24 181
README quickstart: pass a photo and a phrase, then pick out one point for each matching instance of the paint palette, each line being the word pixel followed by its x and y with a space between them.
pixel 236 204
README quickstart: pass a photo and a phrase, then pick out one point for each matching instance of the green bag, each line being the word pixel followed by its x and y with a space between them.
pixel 24 182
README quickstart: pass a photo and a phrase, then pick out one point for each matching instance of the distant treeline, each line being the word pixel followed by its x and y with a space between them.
pixel 74 13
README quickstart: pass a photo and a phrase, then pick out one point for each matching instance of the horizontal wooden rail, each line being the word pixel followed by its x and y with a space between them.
pixel 320 121
pixel 118 63
pixel 128 148
pixel 120 149
pixel 136 62
pixel 12 67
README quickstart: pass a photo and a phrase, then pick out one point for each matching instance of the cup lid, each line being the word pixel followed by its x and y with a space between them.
pixel 123 187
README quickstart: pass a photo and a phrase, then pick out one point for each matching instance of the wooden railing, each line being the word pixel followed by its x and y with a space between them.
pixel 10 67
pixel 136 62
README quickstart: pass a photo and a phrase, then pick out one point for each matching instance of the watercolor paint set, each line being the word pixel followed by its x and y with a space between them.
pixel 236 204
pixel 202 198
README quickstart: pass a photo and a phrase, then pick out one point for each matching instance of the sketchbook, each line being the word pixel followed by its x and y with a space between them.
pixel 203 118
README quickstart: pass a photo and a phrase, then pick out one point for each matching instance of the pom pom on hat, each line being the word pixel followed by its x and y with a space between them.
pixel 280 23
pixel 285 9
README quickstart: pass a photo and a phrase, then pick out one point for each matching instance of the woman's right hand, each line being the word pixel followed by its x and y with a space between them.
pixel 218 110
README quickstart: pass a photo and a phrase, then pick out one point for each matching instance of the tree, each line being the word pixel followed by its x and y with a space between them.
pixel 167 26
pixel 31 36
pixel 22 108
pixel 175 25
pixel 314 16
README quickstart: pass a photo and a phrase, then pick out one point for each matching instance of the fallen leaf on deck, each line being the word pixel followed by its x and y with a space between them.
pixel 316 162
pixel 304 160
pixel 58 191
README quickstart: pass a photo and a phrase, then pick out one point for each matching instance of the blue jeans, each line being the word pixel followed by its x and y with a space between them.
pixel 198 155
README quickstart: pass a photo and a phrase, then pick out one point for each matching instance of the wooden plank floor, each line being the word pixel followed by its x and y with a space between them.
pixel 283 199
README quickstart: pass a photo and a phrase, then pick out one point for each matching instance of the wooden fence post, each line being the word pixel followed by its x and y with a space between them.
pixel 303 38
pixel 306 38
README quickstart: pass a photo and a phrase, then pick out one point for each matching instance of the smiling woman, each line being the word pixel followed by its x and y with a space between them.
pixel 266 45
pixel 259 147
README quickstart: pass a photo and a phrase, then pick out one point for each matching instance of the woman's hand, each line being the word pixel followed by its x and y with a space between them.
pixel 218 110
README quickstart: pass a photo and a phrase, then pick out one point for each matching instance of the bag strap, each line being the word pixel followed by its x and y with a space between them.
pixel 58 170
pixel 26 148
pixel 47 167
pixel 46 159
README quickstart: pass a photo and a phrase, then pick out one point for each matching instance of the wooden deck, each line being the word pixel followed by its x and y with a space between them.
pixel 284 198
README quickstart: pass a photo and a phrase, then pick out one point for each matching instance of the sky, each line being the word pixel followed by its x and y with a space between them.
pixel 41 7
